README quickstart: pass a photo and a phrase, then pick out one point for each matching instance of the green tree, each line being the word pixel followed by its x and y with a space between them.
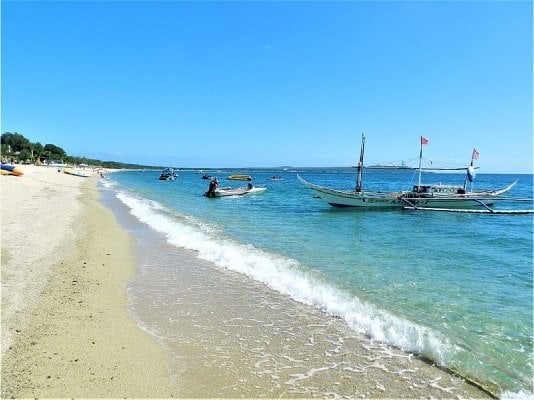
pixel 15 146
pixel 15 142
pixel 38 150
pixel 6 150
pixel 55 151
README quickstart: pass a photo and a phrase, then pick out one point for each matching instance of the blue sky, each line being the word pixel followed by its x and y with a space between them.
pixel 265 84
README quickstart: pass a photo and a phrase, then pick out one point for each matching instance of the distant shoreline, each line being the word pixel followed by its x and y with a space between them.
pixel 347 170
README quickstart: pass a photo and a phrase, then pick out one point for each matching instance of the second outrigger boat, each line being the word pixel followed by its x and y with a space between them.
pixel 435 197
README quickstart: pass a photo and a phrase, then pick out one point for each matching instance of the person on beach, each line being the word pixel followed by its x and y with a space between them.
pixel 212 187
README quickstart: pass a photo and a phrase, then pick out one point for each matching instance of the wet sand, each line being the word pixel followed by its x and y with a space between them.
pixel 229 336
pixel 242 339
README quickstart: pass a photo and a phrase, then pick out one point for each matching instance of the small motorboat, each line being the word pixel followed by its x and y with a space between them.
pixel 228 191
pixel 167 174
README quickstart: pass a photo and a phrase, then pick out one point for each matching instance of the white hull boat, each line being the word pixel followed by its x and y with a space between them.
pixel 421 196
pixel 340 198
pixel 227 192
pixel 441 196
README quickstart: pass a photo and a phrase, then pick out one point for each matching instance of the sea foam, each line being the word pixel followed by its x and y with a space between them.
pixel 289 277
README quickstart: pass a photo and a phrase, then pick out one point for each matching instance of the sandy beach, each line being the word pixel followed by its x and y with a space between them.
pixel 65 327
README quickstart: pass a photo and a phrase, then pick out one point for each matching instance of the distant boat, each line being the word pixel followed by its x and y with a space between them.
pixel 421 196
pixel 55 164
pixel 167 174
pixel 275 178
pixel 74 172
pixel 239 177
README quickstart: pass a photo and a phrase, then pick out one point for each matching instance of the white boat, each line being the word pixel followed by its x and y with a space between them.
pixel 228 191
pixel 449 196
pixel 358 197
pixel 341 198
pixel 71 171
pixel 54 164
pixel 421 196
pixel 444 196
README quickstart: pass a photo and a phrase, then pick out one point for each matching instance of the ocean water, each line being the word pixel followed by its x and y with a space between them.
pixel 456 289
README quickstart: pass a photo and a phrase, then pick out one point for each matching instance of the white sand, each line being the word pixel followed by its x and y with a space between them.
pixel 66 331
pixel 37 211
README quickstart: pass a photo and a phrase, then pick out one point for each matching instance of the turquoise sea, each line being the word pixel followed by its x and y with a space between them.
pixel 454 288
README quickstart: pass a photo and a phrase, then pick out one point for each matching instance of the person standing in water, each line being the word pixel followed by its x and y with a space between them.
pixel 212 187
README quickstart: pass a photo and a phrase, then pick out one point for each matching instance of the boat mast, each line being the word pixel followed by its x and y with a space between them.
pixel 423 141
pixel 471 169
pixel 360 167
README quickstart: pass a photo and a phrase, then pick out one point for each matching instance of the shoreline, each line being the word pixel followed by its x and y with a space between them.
pixel 78 339
pixel 81 341
pixel 236 337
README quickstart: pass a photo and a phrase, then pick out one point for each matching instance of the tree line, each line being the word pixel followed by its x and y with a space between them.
pixel 16 148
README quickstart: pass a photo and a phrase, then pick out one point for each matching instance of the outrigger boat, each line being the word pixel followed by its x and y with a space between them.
pixel 449 196
pixel 358 197
pixel 429 197
pixel 443 196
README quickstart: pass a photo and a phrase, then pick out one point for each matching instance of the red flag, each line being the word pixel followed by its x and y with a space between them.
pixel 424 140
pixel 475 155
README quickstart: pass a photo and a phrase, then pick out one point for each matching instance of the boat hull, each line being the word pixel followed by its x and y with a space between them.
pixel 362 200
pixel 239 177
pixel 339 198
pixel 70 171
pixel 228 192
pixel 379 200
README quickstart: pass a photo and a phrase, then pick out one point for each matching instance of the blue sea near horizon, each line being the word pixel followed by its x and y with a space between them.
pixel 454 288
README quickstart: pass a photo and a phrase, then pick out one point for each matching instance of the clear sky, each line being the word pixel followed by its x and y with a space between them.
pixel 266 84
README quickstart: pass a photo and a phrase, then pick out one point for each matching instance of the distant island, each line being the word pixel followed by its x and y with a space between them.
pixel 388 167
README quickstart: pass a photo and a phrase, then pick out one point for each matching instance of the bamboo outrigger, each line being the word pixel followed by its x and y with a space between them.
pixel 485 210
